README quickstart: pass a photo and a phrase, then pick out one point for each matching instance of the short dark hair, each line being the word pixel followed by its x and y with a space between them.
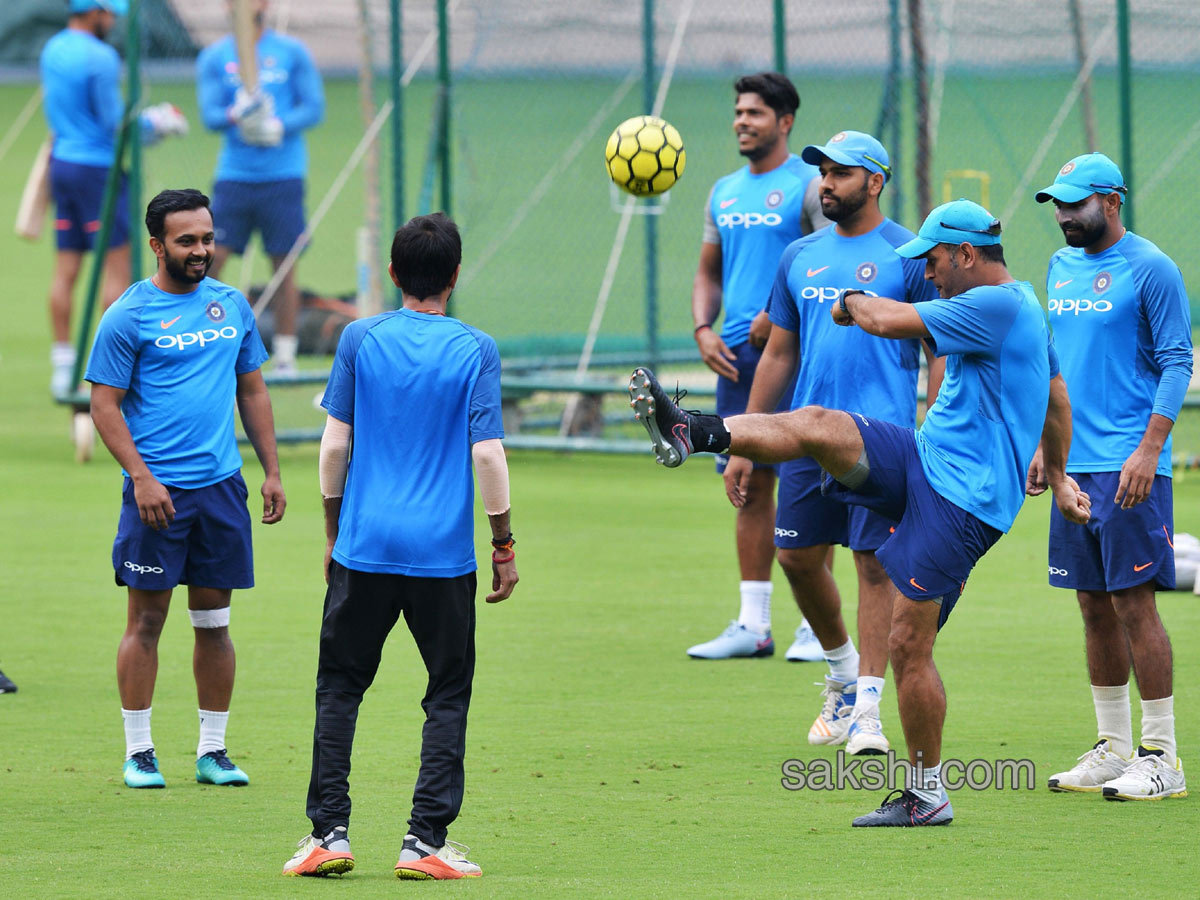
pixel 992 253
pixel 425 252
pixel 167 202
pixel 777 91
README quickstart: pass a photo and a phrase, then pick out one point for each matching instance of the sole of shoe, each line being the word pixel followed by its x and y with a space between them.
pixel 430 868
pixel 237 782
pixel 761 653
pixel 868 748
pixel 1059 788
pixel 643 408
pixel 321 863
pixel 1166 795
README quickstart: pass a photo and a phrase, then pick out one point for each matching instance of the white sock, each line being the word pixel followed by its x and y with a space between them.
pixel 866 700
pixel 756 606
pixel 843 662
pixel 285 346
pixel 1158 727
pixel 137 731
pixel 1113 720
pixel 62 354
pixel 212 731
pixel 930 789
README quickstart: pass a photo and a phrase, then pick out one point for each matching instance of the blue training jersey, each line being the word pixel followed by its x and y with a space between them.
pixel 287 72
pixel 419 390
pixel 177 356
pixel 81 81
pixel 756 217
pixel 1122 326
pixel 979 438
pixel 847 368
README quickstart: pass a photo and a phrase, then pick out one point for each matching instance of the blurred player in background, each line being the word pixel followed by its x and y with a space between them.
pixel 1122 326
pixel 6 685
pixel 953 486
pixel 840 369
pixel 81 81
pixel 170 358
pixel 264 161
pixel 399 526
pixel 751 216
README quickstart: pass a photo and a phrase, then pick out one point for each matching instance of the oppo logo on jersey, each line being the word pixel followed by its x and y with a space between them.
pixel 198 338
pixel 821 294
pixel 1058 305
pixel 748 220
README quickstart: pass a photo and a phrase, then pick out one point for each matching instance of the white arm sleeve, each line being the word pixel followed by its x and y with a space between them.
pixel 335 454
pixel 712 234
pixel 491 469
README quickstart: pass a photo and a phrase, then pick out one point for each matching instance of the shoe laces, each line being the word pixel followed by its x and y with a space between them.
pixel 145 762
pixel 832 696
pixel 900 797
pixel 680 393
pixel 221 758
pixel 869 722
pixel 1146 766
pixel 452 850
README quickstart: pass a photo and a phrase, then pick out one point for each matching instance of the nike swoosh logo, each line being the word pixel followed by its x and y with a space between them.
pixel 928 815
pixel 812 272
pixel 172 322
pixel 1142 566
pixel 1059 284
pixel 913 582
pixel 725 204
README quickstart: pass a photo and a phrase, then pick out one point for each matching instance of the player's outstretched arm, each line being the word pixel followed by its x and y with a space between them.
pixel 881 316
pixel 153 499
pixel 491 469
pixel 1073 503
pixel 254 404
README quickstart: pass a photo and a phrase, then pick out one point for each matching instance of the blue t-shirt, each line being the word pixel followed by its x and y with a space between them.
pixel 177 356
pixel 756 217
pixel 419 390
pixel 847 368
pixel 978 439
pixel 285 71
pixel 1123 329
pixel 81 80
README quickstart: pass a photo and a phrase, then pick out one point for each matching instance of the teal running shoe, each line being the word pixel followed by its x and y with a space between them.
pixel 215 767
pixel 141 771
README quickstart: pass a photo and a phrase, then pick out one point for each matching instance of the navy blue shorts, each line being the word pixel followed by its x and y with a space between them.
pixel 1117 548
pixel 275 209
pixel 936 543
pixel 207 544
pixel 806 517
pixel 732 396
pixel 78 192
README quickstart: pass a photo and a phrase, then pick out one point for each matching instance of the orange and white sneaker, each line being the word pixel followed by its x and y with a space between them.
pixel 420 861
pixel 319 857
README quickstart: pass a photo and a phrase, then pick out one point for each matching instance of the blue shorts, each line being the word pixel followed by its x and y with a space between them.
pixel 805 517
pixel 78 192
pixel 207 544
pixel 1117 548
pixel 733 396
pixel 935 544
pixel 273 208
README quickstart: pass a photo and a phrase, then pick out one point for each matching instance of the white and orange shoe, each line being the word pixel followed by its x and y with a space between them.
pixel 833 724
pixel 319 857
pixel 419 861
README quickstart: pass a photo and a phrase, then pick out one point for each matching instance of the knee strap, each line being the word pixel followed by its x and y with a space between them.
pixel 209 618
pixel 856 477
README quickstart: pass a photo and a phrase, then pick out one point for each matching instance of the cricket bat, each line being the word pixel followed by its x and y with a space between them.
pixel 244 34
pixel 35 198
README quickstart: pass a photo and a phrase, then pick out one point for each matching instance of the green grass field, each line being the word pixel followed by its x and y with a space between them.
pixel 601 761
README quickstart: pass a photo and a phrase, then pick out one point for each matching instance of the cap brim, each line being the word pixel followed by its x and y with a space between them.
pixel 915 248
pixel 1065 193
pixel 813 155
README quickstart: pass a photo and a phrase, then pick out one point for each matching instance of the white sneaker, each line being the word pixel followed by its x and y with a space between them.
pixel 320 857
pixel 1097 766
pixel 447 862
pixel 60 379
pixel 831 725
pixel 1148 777
pixel 865 736
pixel 806 647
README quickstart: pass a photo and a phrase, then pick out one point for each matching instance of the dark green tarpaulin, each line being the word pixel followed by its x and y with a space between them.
pixel 25 25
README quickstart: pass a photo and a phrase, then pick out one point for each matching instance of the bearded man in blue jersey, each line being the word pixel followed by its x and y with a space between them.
pixel 750 217
pixel 953 486
pixel 170 359
pixel 81 80
pixel 854 371
pixel 1123 330
pixel 417 394
pixel 259 182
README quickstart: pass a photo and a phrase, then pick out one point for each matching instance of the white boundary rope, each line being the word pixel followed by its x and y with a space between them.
pixel 1172 159
pixel 19 123
pixel 940 57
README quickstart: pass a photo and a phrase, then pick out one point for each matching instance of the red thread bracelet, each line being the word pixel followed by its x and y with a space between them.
pixel 511 556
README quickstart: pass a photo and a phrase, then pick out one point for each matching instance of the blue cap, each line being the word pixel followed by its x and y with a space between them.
pixel 116 7
pixel 851 148
pixel 1092 173
pixel 957 222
